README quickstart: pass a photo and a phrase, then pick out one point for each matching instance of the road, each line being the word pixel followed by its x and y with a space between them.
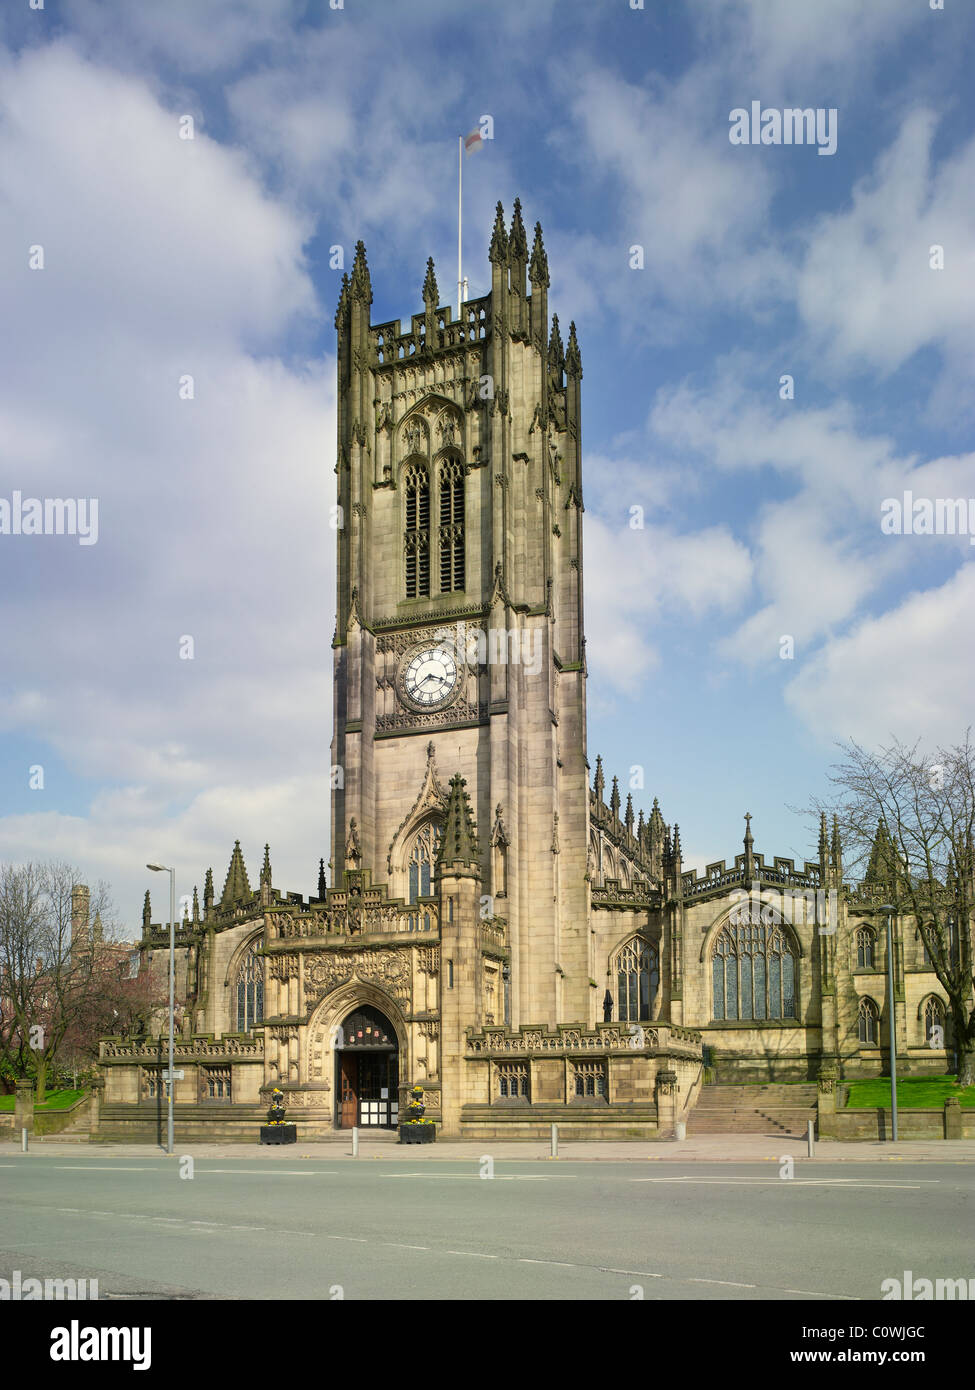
pixel 394 1229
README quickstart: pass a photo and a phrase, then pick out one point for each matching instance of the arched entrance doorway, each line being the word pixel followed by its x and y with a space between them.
pixel 367 1070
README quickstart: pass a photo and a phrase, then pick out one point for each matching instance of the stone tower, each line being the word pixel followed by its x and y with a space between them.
pixel 459 648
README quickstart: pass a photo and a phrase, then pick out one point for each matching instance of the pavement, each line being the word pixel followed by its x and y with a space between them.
pixel 705 1148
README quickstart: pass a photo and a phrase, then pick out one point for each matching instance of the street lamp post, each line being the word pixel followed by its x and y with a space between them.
pixel 890 909
pixel 161 869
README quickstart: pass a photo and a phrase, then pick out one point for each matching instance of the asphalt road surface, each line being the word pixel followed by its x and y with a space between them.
pixel 557 1230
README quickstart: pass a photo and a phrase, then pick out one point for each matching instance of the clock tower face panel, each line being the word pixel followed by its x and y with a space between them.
pixel 428 677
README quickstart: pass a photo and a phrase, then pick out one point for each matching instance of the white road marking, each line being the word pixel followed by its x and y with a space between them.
pixel 730 1283
pixel 850 1184
pixel 90 1168
pixel 808 1294
pixel 400 1246
pixel 474 1254
pixel 644 1274
pixel 262 1172
pixel 564 1264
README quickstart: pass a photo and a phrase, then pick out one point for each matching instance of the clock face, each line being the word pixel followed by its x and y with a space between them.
pixel 430 677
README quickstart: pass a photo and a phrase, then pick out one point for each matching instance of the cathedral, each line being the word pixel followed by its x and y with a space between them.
pixel 492 927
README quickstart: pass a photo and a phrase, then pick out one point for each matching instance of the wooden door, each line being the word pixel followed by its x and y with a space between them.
pixel 348 1088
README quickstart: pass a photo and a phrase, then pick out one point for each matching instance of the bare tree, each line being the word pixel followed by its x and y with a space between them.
pixel 46 978
pixel 908 819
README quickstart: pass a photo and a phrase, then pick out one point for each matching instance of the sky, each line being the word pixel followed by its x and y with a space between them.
pixel 174 183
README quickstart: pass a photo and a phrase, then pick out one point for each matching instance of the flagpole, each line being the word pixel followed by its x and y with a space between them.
pixel 460 182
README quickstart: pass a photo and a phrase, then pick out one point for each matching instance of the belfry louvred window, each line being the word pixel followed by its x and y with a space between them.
pixel 451 535
pixel 417 536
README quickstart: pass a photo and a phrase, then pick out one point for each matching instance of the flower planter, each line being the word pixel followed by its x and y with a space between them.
pixel 417 1134
pixel 279 1134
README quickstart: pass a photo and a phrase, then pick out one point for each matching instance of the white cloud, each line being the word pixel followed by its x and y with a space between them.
pixel 909 672
pixel 634 578
pixel 163 257
pixel 866 290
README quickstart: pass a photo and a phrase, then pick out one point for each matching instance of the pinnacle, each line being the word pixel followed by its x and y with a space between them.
pixel 538 269
pixel 236 889
pixel 360 285
pixel 430 292
pixel 556 353
pixel 573 358
pixel 458 843
pixel 499 238
pixel 517 241
pixel 343 303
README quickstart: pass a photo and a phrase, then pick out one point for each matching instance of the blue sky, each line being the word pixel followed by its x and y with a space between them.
pixel 210 257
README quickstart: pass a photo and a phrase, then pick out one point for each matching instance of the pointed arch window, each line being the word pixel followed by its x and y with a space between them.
pixel 423 857
pixel 753 973
pixel 868 1022
pixel 865 949
pixel 417 534
pixel 637 970
pixel 249 990
pixel 451 537
pixel 934 1022
pixel 926 960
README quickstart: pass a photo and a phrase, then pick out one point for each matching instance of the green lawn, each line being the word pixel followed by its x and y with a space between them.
pixel 56 1100
pixel 913 1093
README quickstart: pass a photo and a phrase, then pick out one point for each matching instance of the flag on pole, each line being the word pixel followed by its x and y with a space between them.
pixel 473 142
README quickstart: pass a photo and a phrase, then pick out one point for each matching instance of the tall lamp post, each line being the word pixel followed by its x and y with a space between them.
pixel 161 869
pixel 890 909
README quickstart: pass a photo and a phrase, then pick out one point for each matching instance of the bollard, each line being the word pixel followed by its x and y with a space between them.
pixel 680 1129
pixel 555 1141
pixel 810 1142
pixel 23 1139
pixel 355 1141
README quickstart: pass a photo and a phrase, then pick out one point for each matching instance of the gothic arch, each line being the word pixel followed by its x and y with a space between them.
pixel 431 803
pixel 724 919
pixel 933 1009
pixel 635 952
pixel 239 964
pixel 330 1012
pixel 753 973
pixel 240 951
pixel 863 947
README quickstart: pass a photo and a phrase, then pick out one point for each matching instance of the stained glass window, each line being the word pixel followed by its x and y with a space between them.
pixel 864 945
pixel 753 973
pixel 423 857
pixel 868 1021
pixel 250 991
pixel 637 979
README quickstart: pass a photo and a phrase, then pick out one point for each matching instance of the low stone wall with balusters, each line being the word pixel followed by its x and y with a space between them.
pixel 612 1081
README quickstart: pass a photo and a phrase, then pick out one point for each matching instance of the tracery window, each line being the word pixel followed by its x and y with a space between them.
pixel 451 536
pixel 637 973
pixel 589 1079
pixel 753 971
pixel 152 1083
pixel 934 1018
pixel 925 953
pixel 417 536
pixel 423 857
pixel 215 1083
pixel 865 948
pixel 249 987
pixel 868 1022
pixel 512 1081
